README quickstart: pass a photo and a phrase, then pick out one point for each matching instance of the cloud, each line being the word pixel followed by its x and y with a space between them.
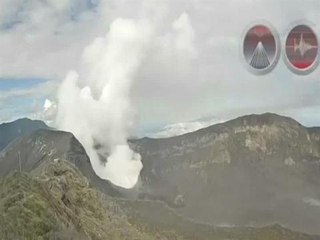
pixel 185 35
pixel 193 67
pixel 95 106
pixel 47 113
pixel 46 87
pixel 312 202
pixel 177 129
pixel 38 37
pixel 25 101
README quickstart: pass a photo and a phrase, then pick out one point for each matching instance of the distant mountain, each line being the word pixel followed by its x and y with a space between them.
pixel 30 151
pixel 254 170
pixel 181 128
pixel 10 131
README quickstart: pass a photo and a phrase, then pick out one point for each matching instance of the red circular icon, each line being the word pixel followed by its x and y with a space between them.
pixel 301 48
pixel 261 49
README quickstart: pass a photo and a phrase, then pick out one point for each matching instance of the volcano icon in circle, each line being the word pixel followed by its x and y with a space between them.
pixel 260 58
pixel 260 49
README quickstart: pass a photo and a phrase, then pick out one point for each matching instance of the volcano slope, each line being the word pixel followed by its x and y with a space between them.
pixel 12 130
pixel 254 170
pixel 56 201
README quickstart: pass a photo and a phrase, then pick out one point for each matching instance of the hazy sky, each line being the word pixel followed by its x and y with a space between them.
pixel 193 69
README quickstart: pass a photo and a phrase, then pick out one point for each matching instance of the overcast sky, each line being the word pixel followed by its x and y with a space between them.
pixel 192 70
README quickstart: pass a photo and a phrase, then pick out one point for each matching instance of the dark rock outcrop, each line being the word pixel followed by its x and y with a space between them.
pixel 12 130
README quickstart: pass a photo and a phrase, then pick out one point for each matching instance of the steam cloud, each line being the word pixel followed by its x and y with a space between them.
pixel 94 104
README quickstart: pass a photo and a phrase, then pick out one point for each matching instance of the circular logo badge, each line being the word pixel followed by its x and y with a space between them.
pixel 261 49
pixel 301 49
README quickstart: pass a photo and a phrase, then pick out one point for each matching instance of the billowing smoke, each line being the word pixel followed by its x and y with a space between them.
pixel 94 104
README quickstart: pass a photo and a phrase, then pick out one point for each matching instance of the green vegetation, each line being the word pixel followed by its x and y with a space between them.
pixel 24 211
pixel 55 201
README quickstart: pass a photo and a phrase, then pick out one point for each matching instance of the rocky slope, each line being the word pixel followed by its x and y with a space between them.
pixel 29 151
pixel 155 215
pixel 12 130
pixel 254 170
pixel 55 201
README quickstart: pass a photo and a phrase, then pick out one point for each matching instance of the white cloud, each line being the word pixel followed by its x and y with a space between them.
pixel 47 104
pixel 47 113
pixel 193 68
pixel 177 129
pixel 99 112
pixel 25 102
pixel 41 38
pixel 60 5
pixel 185 35
pixel 312 202
pixel 41 89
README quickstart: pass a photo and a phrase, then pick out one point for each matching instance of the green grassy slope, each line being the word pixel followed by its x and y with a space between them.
pixel 55 201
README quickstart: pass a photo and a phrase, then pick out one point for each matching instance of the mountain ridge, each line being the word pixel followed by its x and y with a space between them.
pixel 250 171
pixel 255 163
pixel 269 116
pixel 11 130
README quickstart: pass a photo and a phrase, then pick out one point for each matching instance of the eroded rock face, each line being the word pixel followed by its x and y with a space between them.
pixel 30 151
pixel 12 130
pixel 55 201
pixel 252 170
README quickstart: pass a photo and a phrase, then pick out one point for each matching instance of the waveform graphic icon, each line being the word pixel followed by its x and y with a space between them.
pixel 301 49
pixel 260 58
pixel 261 49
